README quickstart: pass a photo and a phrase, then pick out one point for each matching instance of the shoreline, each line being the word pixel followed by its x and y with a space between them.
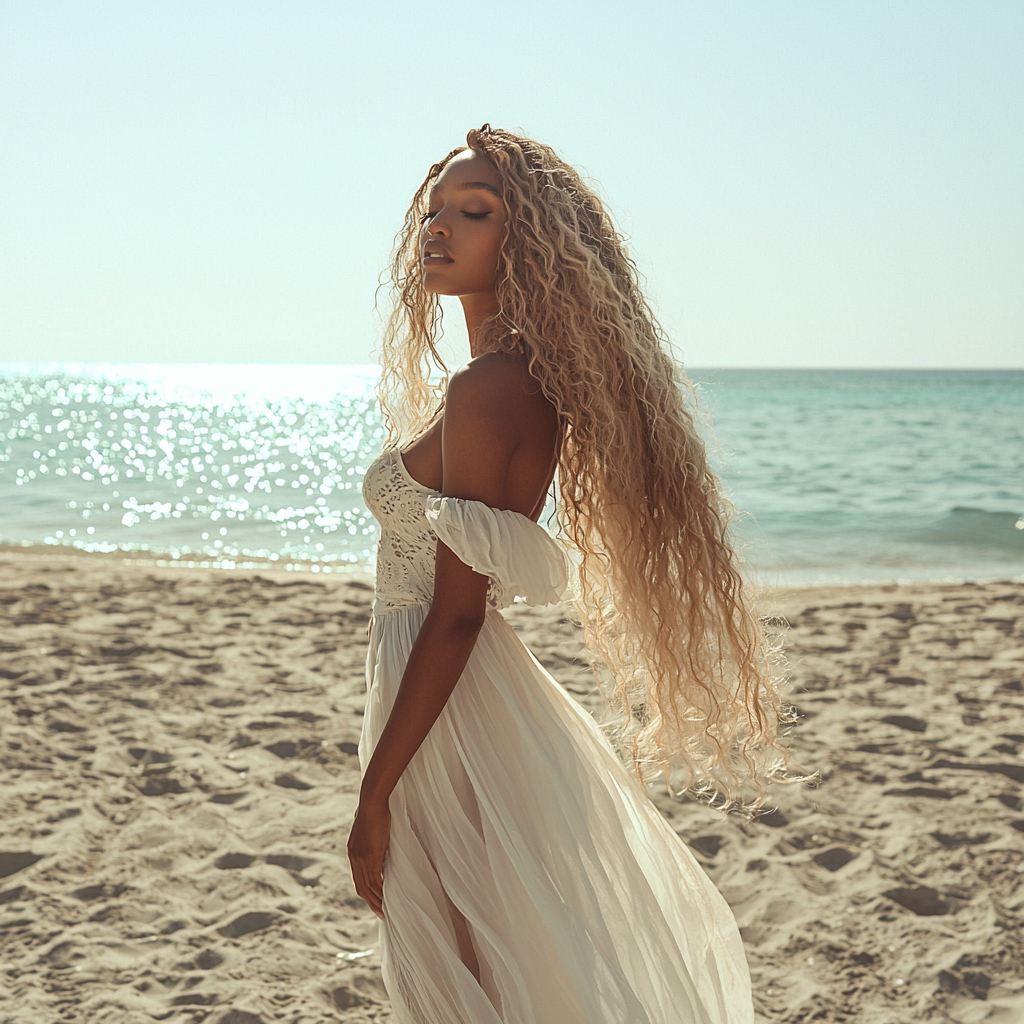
pixel 179 754
pixel 345 570
pixel 163 560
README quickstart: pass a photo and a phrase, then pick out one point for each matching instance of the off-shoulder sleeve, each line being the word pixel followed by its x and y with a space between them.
pixel 520 556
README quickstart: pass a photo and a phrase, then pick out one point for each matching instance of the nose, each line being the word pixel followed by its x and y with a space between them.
pixel 437 226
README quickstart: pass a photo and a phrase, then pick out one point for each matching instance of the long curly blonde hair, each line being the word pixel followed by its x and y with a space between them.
pixel 690 671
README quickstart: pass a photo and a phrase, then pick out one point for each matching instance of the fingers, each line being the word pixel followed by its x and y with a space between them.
pixel 367 850
pixel 371 891
pixel 369 882
pixel 372 887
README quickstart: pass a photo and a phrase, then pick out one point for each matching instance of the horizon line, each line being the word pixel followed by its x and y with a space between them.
pixel 11 363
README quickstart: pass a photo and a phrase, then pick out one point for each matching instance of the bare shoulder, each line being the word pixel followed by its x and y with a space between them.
pixel 491 391
pixel 491 375
pixel 498 434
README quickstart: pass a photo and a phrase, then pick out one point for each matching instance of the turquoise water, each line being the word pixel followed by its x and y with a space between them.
pixel 845 475
pixel 875 475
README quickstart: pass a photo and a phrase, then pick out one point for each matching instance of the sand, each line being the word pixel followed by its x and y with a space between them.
pixel 179 774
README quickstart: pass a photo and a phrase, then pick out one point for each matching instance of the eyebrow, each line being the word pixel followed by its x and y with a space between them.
pixel 479 184
pixel 470 186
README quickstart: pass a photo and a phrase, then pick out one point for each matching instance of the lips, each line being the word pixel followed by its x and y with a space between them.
pixel 435 256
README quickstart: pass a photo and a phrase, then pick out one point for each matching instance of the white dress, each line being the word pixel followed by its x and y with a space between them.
pixel 515 823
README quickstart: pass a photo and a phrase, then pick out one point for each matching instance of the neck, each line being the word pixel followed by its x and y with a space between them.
pixel 478 308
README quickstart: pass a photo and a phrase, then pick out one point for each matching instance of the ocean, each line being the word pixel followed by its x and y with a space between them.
pixel 842 476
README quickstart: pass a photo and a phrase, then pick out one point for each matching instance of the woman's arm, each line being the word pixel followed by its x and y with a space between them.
pixel 478 439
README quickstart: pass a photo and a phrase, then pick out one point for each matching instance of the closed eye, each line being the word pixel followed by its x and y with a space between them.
pixel 465 213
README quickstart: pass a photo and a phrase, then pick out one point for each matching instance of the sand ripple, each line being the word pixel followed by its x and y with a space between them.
pixel 179 763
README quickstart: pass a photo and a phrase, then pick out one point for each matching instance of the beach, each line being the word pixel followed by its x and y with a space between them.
pixel 180 773
pixel 843 476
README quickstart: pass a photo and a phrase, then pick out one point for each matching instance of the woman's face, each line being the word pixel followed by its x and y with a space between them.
pixel 462 232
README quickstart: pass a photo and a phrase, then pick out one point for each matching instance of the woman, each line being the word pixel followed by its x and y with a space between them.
pixel 519 869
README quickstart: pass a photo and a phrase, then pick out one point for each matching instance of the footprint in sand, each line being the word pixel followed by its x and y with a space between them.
pixel 362 988
pixel 286 749
pixel 707 845
pixel 228 861
pixel 228 798
pixel 249 922
pixel 207 960
pixel 907 722
pixel 240 1017
pixel 922 900
pixel 957 840
pixel 834 859
pixel 289 781
pixel 13 861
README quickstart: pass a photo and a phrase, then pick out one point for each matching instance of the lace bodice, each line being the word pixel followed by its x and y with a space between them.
pixel 407 545
pixel 521 558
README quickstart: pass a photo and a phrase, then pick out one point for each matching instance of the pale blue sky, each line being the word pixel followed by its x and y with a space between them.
pixel 805 184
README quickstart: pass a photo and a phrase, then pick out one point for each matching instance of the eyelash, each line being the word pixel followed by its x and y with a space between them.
pixel 471 216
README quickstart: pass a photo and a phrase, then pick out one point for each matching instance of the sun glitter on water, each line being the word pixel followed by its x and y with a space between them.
pixel 192 472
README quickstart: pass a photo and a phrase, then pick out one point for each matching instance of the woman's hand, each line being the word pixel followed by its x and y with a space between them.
pixel 367 845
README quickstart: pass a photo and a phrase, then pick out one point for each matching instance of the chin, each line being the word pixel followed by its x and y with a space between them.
pixel 438 287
